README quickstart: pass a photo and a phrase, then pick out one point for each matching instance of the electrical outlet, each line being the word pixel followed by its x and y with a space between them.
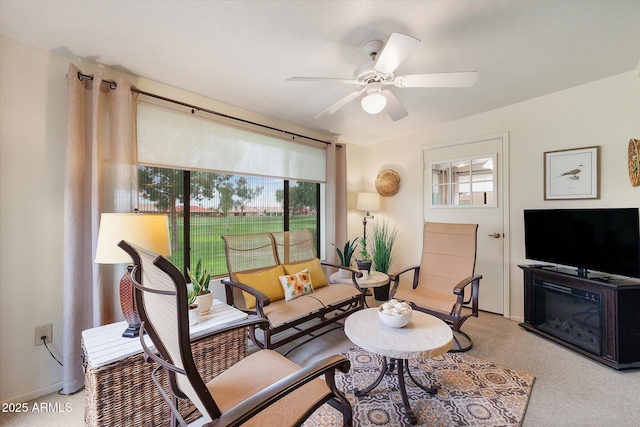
pixel 44 330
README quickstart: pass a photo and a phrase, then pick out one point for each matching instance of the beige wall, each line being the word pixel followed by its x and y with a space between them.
pixel 32 170
pixel 604 113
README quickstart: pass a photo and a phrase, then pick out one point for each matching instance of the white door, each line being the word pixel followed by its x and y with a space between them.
pixel 464 183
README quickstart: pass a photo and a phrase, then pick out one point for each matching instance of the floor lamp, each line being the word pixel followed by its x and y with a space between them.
pixel 149 231
pixel 367 202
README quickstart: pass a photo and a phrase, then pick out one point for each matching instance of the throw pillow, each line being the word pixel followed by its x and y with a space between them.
pixel 296 285
pixel 315 270
pixel 266 282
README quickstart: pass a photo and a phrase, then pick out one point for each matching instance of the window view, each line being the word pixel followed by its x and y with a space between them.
pixel 216 204
pixel 467 182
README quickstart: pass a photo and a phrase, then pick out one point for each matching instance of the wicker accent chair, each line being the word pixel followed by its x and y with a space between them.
pixel 444 283
pixel 262 389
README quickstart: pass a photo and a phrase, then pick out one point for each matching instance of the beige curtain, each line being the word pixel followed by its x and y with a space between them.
pixel 336 199
pixel 101 177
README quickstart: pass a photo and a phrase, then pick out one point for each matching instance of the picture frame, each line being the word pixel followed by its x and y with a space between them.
pixel 572 174
pixel 634 162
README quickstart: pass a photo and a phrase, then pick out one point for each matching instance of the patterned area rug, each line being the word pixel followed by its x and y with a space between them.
pixel 472 392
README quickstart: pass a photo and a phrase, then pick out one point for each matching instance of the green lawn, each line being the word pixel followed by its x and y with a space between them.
pixel 207 245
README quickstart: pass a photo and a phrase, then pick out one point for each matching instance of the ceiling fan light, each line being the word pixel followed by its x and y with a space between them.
pixel 374 103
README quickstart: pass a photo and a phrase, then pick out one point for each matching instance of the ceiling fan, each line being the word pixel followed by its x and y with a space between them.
pixel 371 77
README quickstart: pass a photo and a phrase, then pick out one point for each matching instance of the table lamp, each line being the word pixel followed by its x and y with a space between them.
pixel 367 202
pixel 149 231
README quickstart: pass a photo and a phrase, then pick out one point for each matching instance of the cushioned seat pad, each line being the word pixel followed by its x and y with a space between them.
pixel 334 294
pixel 249 376
pixel 443 303
pixel 281 311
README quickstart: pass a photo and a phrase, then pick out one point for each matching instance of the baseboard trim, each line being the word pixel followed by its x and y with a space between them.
pixel 35 394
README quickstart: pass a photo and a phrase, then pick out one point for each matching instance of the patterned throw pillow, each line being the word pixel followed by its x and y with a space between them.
pixel 315 269
pixel 296 285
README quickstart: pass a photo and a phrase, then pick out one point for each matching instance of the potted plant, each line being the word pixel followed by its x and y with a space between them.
pixel 200 283
pixel 194 313
pixel 384 237
pixel 345 256
pixel 364 262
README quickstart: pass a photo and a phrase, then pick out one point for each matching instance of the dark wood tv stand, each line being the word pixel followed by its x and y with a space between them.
pixel 617 343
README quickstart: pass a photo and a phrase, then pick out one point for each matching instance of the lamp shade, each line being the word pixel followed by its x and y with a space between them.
pixel 373 103
pixel 149 231
pixel 368 202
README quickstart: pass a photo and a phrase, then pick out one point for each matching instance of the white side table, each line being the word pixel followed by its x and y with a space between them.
pixel 423 336
pixel 374 280
pixel 118 385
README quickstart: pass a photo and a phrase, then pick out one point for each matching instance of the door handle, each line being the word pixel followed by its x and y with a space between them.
pixel 495 235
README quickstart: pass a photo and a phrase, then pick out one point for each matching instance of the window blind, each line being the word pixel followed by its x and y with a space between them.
pixel 177 139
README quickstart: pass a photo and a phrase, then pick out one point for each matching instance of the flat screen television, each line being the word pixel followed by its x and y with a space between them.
pixel 604 240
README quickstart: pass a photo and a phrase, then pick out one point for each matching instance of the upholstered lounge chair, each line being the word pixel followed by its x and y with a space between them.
pixel 444 284
pixel 263 389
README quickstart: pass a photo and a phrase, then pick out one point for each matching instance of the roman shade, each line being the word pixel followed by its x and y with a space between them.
pixel 171 138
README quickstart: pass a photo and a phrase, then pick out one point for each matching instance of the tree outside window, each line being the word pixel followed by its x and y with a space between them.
pixel 218 204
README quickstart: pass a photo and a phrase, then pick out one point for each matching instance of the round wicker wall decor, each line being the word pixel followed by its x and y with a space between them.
pixel 387 183
pixel 634 162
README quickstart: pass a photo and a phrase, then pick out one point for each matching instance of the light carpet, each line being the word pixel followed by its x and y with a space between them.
pixel 472 392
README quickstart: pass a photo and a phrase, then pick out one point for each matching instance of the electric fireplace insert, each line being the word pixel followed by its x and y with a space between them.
pixel 570 314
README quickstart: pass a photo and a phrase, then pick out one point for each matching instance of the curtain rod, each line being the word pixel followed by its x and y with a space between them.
pixel 113 85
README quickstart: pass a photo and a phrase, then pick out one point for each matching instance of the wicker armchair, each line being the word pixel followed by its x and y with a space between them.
pixel 444 283
pixel 262 389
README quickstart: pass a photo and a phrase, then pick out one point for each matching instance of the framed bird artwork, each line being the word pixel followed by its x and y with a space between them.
pixel 572 174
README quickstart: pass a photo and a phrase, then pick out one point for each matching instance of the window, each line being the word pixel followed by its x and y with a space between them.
pixel 202 206
pixel 214 175
pixel 464 182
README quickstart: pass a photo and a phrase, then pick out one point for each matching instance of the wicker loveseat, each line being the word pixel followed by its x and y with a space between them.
pixel 256 264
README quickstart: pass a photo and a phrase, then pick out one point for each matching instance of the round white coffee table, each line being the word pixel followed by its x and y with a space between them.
pixel 374 280
pixel 424 336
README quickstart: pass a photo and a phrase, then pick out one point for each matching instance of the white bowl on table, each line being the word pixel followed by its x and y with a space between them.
pixel 395 314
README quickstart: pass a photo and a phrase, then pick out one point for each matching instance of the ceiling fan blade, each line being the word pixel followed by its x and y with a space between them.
pixel 320 79
pixel 394 108
pixel 397 49
pixel 462 79
pixel 338 105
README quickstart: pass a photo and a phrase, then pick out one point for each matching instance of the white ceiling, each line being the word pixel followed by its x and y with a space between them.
pixel 241 52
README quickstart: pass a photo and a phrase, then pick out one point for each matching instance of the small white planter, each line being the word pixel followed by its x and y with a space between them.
pixel 194 315
pixel 204 302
